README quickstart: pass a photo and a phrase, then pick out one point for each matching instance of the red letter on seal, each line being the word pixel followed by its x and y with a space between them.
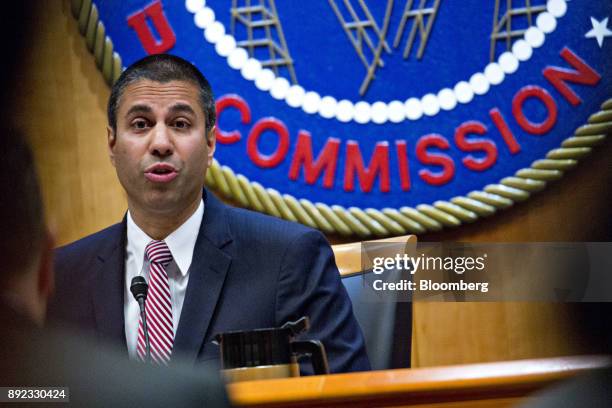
pixel 379 164
pixel 325 162
pixel 138 21
pixel 437 159
pixel 583 74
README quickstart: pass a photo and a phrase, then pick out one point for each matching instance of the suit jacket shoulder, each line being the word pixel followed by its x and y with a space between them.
pixel 246 225
pixel 79 267
pixel 85 250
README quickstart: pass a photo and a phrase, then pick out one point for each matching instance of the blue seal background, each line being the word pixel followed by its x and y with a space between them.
pixel 326 63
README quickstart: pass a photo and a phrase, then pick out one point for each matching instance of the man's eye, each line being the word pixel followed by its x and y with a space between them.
pixel 139 124
pixel 181 124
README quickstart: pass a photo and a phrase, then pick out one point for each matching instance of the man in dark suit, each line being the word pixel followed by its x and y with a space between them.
pixel 223 268
pixel 33 357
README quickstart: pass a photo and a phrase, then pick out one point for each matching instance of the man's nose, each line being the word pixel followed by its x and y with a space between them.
pixel 161 143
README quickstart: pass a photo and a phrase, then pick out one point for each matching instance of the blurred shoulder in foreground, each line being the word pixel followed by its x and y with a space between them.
pixel 33 357
pixel 96 377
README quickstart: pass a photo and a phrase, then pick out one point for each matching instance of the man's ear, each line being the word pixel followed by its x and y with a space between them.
pixel 111 139
pixel 211 141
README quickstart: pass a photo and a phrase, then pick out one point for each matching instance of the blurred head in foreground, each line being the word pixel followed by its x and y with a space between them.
pixel 26 276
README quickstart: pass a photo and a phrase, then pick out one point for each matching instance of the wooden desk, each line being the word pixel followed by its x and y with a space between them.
pixel 473 385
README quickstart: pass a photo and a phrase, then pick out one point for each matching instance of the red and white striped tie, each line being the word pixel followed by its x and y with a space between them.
pixel 158 306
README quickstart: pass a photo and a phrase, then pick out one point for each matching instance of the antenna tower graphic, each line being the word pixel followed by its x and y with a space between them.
pixel 422 18
pixel 511 21
pixel 366 36
pixel 259 23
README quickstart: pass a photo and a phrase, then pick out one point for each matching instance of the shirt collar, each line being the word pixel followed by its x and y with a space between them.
pixel 181 241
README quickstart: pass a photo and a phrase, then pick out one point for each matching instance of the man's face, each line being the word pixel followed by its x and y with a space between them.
pixel 160 149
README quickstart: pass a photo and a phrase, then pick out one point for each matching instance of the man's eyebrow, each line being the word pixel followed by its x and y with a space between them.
pixel 139 109
pixel 182 108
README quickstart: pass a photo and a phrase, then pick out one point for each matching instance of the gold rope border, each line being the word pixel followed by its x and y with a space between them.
pixel 370 222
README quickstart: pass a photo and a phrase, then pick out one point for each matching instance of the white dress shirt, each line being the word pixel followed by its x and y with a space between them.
pixel 181 243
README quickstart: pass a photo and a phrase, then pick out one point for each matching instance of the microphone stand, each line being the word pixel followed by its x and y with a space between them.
pixel 139 289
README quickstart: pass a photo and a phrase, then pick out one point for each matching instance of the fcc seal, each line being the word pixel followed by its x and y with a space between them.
pixel 379 116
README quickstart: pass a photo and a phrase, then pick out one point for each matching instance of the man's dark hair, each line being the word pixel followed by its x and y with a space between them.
pixel 162 68
pixel 21 207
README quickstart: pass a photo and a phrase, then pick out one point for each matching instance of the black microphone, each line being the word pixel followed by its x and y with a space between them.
pixel 139 289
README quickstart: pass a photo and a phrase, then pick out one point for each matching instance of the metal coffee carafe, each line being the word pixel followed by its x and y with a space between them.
pixel 269 353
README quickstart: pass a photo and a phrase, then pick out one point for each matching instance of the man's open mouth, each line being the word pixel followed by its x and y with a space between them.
pixel 161 173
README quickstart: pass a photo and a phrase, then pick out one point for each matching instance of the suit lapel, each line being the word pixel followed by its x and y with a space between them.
pixel 206 277
pixel 108 286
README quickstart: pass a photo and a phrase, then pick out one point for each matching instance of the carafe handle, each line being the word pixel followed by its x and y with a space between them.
pixel 316 351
